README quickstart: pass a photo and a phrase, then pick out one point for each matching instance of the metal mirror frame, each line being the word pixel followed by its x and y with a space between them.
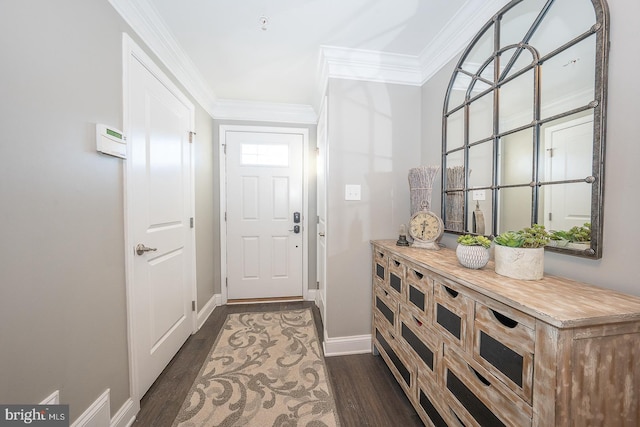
pixel 597 106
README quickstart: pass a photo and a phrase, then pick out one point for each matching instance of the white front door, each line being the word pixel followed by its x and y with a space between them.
pixel 264 200
pixel 569 154
pixel 161 283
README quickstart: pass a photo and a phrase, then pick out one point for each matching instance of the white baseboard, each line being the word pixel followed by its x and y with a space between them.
pixel 208 308
pixel 52 399
pixel 342 346
pixel 96 415
pixel 311 295
pixel 126 415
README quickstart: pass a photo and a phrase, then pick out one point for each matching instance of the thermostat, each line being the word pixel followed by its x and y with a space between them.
pixel 111 141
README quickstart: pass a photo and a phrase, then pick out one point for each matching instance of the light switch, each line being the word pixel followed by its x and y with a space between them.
pixel 352 192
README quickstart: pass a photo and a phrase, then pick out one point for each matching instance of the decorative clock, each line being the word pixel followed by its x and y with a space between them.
pixel 426 228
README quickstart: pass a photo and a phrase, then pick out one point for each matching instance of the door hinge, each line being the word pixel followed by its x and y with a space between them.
pixel 193 306
pixel 191 222
pixel 224 148
pixel 317 151
pixel 226 282
pixel 317 285
pixel 225 216
pixel 550 216
pixel 318 219
pixel 191 135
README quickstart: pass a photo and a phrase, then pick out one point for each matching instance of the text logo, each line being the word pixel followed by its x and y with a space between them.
pixel 34 415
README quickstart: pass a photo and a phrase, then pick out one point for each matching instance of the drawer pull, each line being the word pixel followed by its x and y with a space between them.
pixel 419 323
pixel 397 263
pixel 506 321
pixel 381 255
pixel 450 291
pixel 386 294
pixel 417 274
pixel 482 379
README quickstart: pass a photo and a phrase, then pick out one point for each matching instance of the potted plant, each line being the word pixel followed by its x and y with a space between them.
pixel 578 237
pixel 473 251
pixel 520 254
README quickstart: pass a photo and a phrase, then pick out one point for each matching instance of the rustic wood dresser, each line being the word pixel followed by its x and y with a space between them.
pixel 473 348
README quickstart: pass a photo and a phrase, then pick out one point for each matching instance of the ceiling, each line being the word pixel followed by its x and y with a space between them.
pixel 222 50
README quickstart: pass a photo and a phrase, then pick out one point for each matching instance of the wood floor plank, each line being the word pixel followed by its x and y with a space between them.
pixel 366 392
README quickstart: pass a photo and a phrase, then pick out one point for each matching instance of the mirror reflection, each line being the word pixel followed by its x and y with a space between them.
pixel 524 125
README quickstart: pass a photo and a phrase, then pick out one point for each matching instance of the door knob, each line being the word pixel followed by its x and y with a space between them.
pixel 321 234
pixel 141 249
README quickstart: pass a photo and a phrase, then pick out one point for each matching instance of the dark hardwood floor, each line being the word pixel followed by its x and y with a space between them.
pixel 365 391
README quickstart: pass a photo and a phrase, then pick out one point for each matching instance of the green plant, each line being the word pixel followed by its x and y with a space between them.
pixel 575 234
pixel 470 240
pixel 535 236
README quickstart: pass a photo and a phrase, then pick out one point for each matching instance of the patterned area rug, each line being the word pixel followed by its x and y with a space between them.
pixel 265 369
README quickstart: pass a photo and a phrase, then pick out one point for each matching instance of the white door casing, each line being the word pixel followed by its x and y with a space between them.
pixel 568 157
pixel 321 206
pixel 159 204
pixel 262 256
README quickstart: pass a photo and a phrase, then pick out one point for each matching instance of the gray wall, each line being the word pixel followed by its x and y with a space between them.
pixel 62 272
pixel 207 218
pixel 616 269
pixel 373 141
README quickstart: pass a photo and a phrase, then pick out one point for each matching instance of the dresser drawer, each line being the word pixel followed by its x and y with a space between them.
pixel 396 282
pixel 432 407
pixel 452 313
pixel 380 265
pixel 422 341
pixel 396 359
pixel 504 341
pixel 481 396
pixel 419 284
pixel 385 306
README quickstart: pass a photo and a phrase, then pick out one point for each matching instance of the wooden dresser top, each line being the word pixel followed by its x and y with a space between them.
pixel 561 302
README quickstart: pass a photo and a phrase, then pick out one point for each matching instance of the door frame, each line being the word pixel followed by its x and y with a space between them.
pixel 132 52
pixel 321 249
pixel 222 141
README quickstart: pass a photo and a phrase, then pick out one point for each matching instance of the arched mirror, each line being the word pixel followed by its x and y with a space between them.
pixel 524 125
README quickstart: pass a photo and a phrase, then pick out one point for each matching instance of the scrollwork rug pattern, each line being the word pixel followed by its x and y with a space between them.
pixel 265 369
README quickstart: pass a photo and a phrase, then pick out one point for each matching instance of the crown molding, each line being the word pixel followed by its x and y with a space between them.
pixel 143 18
pixel 357 64
pixel 456 35
pixel 335 62
pixel 368 65
pixel 229 109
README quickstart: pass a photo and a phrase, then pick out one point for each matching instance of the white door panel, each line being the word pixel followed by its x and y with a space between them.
pixel 264 189
pixel 568 157
pixel 159 199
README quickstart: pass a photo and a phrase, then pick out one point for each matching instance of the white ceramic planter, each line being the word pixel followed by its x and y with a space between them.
pixel 472 256
pixel 519 263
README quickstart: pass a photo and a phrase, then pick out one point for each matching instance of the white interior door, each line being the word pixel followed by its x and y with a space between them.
pixel 264 191
pixel 321 192
pixel 569 154
pixel 159 206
